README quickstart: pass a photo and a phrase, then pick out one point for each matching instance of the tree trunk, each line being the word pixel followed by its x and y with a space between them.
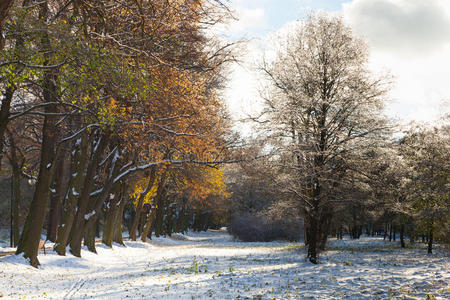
pixel 159 212
pixel 390 232
pixel 394 233
pixel 140 203
pixel 148 225
pixel 4 115
pixel 110 188
pixel 76 235
pixel 31 234
pixel 430 239
pixel 110 219
pixel 89 239
pixel 312 239
pixel 402 232
pixel 15 204
pixel 80 160
pixel 117 236
pixel 159 207
pixel 57 196
pixel 324 228
pixel 16 191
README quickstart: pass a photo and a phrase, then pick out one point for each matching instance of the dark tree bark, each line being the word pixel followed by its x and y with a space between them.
pixel 160 211
pixel 62 175
pixel 77 232
pixel 16 179
pixel 159 206
pixel 140 203
pixel 324 227
pixel 4 115
pixel 117 233
pixel 430 239
pixel 146 231
pixel 110 220
pixel 89 239
pixel 393 232
pixel 390 232
pixel 312 239
pixel 402 232
pixel 79 164
pixel 31 234
pixel 110 188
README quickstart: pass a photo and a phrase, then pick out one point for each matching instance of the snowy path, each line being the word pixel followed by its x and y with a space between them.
pixel 212 265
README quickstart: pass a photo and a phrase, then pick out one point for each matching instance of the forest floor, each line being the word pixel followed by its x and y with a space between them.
pixel 213 265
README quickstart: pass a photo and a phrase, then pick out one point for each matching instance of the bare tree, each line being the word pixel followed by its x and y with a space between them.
pixel 323 107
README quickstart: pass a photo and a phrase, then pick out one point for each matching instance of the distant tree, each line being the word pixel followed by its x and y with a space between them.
pixel 427 151
pixel 322 109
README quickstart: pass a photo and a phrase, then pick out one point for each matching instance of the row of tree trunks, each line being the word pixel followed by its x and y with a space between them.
pixel 58 192
pixel 111 193
pixel 118 230
pixel 77 232
pixel 79 165
pixel 140 203
pixel 148 227
pixel 111 217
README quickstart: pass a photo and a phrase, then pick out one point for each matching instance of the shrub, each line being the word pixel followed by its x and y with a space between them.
pixel 260 228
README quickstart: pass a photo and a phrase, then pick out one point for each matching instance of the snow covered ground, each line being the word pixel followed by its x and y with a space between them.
pixel 213 265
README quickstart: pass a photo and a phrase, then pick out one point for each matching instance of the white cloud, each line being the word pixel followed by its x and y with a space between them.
pixel 247 20
pixel 411 38
pixel 412 27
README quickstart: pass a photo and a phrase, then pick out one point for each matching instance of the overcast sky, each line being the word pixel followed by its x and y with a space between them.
pixel 408 38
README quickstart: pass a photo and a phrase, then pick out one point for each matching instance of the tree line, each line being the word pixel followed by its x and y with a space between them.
pixel 108 105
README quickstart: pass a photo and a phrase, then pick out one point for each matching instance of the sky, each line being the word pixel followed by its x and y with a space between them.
pixel 408 39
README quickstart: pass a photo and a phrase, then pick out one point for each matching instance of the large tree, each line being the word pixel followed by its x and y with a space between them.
pixel 323 108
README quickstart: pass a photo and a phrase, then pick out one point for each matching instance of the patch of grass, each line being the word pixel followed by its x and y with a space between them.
pixel 293 246
pixel 348 263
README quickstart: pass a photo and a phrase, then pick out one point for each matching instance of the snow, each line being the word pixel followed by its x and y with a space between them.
pixel 75 193
pixel 213 265
pixel 87 216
